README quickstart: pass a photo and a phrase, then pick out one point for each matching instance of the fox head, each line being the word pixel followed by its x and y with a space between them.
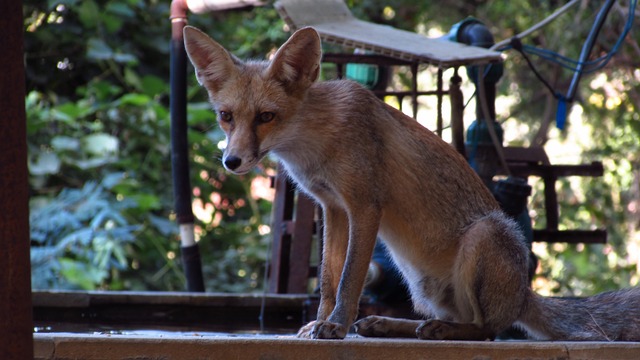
pixel 254 100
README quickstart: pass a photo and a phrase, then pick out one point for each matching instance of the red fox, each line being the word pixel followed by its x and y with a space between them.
pixel 377 172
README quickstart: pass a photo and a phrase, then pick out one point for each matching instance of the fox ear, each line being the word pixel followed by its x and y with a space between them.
pixel 297 63
pixel 213 64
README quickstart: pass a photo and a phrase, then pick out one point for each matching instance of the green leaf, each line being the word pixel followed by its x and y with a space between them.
pixel 97 49
pixel 67 112
pixel 112 23
pixel 147 202
pixel 104 90
pixel 124 58
pixel 89 13
pixel 200 113
pixel 153 86
pixel 135 99
pixel 120 9
pixel 78 273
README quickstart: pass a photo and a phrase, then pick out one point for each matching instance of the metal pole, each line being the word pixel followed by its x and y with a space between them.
pixel 180 150
pixel 179 146
pixel 16 319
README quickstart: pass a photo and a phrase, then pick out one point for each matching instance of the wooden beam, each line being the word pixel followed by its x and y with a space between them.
pixel 16 321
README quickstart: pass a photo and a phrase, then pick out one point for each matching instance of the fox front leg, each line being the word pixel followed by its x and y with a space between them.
pixel 335 240
pixel 362 230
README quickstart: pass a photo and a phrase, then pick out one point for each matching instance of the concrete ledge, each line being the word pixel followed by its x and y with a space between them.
pixel 195 346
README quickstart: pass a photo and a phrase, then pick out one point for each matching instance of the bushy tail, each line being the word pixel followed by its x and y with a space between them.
pixel 611 316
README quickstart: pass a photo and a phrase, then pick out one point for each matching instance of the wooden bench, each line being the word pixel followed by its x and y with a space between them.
pixel 533 161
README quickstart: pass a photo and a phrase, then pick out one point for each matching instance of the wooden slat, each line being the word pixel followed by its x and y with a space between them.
pixel 335 23
pixel 299 258
pixel 523 170
pixel 282 214
pixel 598 236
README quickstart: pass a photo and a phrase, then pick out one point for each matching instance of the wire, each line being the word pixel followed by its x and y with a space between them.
pixel 517 45
pixel 582 67
pixel 537 26
pixel 585 67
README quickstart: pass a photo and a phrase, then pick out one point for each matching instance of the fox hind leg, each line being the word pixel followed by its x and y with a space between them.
pixel 489 281
pixel 447 330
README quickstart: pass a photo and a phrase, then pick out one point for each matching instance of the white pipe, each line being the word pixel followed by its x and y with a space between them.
pixel 204 6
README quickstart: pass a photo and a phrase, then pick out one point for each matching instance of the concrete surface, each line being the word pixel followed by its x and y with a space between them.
pixel 187 346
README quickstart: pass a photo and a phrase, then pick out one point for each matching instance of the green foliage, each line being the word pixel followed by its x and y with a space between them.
pixel 81 237
pixel 98 112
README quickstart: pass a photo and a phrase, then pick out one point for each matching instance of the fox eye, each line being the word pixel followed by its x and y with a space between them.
pixel 225 116
pixel 266 116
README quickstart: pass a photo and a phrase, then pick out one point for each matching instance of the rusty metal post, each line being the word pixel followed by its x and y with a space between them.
pixel 16 321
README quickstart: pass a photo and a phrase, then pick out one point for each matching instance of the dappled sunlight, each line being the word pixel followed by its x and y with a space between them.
pixel 261 188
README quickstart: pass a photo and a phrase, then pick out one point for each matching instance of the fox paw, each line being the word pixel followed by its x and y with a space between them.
pixel 321 329
pixel 372 326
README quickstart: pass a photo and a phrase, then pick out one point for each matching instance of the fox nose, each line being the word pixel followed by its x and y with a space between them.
pixel 232 162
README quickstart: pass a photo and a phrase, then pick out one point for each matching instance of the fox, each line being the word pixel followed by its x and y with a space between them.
pixel 377 172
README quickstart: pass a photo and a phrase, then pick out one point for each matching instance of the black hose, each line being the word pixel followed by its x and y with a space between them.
pixel 588 46
pixel 180 158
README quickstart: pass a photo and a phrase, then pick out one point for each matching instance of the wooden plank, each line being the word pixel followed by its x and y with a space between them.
pixel 104 311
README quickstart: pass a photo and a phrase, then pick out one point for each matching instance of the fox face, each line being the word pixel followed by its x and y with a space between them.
pixel 254 100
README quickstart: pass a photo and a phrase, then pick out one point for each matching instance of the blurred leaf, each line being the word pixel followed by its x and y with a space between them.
pixel 62 143
pixel 67 112
pixel 81 275
pixel 125 58
pixel 100 144
pixel 97 49
pixel 112 23
pixel 45 163
pixel 153 86
pixel 68 3
pixel 121 9
pixel 109 181
pixel 89 13
pixel 147 202
pixel 135 99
